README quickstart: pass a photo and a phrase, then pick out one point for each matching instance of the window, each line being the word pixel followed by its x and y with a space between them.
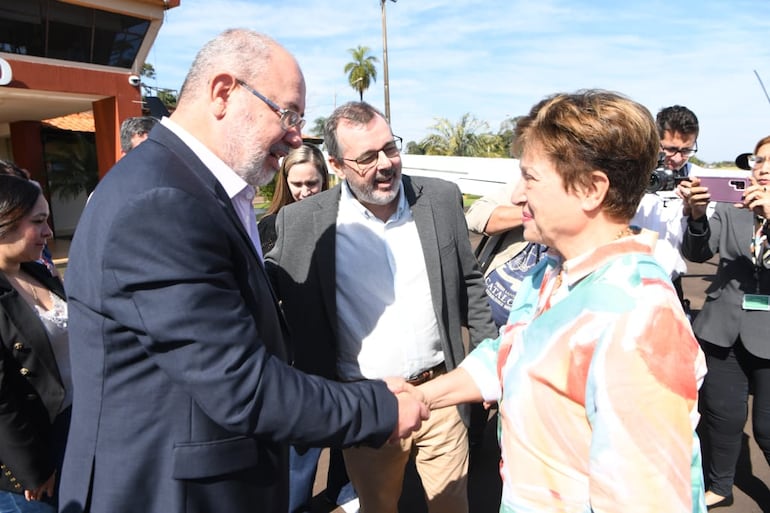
pixel 47 28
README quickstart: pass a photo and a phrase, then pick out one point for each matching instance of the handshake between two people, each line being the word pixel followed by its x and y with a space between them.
pixel 416 402
pixel 412 408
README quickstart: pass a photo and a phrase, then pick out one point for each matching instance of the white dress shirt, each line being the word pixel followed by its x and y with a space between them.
pixel 241 194
pixel 386 322
pixel 664 216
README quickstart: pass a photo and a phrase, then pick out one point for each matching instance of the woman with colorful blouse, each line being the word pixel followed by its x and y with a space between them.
pixel 598 407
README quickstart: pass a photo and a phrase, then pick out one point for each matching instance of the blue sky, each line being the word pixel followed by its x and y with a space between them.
pixel 496 58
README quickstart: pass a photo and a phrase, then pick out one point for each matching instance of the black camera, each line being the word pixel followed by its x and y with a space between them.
pixel 663 179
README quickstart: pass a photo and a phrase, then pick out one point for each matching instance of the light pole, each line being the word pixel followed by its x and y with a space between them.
pixel 385 59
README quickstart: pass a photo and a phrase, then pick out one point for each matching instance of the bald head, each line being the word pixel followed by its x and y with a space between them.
pixel 243 128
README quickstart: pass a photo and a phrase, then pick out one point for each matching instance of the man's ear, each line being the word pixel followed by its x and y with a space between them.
pixel 220 89
pixel 337 167
pixel 594 192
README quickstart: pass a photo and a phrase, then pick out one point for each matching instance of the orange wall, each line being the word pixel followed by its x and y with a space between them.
pixel 121 99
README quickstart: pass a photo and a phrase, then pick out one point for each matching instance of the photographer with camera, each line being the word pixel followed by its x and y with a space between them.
pixel 661 207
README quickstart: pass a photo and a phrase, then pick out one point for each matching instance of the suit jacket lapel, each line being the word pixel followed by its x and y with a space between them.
pixel 423 214
pixel 207 179
pixel 29 326
pixel 210 182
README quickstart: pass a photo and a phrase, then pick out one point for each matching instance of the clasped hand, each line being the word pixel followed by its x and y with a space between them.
pixel 412 409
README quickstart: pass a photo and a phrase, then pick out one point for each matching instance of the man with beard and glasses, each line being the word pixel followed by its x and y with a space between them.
pixel 388 259
pixel 184 400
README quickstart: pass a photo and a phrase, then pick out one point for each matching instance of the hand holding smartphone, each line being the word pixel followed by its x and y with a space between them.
pixel 726 186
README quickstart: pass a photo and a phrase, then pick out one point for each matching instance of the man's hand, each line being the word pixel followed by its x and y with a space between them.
pixel 411 412
pixel 398 385
pixel 696 198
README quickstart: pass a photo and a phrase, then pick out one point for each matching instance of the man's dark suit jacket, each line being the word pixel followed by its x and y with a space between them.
pixel 183 400
pixel 302 266
pixel 31 389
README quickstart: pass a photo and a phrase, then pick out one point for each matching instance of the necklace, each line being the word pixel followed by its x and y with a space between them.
pixel 25 285
pixel 34 293
pixel 625 232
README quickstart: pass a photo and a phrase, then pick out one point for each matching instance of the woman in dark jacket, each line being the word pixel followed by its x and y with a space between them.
pixel 733 325
pixel 35 386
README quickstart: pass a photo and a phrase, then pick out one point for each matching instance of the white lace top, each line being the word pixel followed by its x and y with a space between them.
pixel 55 322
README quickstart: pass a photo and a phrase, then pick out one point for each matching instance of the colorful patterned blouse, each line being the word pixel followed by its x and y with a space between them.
pixel 597 375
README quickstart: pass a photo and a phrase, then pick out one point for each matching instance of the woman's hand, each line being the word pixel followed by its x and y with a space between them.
pixel 696 198
pixel 756 198
pixel 45 489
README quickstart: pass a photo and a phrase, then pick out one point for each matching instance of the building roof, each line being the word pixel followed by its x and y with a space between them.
pixel 78 122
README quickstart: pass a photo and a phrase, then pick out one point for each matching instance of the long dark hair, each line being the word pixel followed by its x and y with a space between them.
pixel 17 198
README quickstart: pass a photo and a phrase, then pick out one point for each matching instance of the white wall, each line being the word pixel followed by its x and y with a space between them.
pixel 474 175
pixel 66 213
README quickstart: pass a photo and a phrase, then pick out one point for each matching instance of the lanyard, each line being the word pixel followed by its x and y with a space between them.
pixel 760 252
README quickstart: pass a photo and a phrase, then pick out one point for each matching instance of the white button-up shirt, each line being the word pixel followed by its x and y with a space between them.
pixel 386 321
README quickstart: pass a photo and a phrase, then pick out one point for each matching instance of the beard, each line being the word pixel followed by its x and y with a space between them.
pixel 244 156
pixel 366 192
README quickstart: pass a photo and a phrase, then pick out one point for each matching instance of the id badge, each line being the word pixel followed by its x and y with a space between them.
pixel 756 302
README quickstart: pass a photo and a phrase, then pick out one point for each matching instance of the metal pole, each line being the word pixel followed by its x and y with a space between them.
pixel 755 72
pixel 385 61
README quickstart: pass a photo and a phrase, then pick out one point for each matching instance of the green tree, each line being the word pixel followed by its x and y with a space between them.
pixel 505 136
pixel 464 139
pixel 361 70
pixel 167 96
pixel 148 71
pixel 70 158
pixel 413 148
pixel 317 129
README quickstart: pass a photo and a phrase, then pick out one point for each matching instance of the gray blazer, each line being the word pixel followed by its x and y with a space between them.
pixel 722 319
pixel 302 269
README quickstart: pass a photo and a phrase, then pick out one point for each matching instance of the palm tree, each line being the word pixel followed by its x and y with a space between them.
pixel 317 128
pixel 71 160
pixel 361 71
pixel 460 140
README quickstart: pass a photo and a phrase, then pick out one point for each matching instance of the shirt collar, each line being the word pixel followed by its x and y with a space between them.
pixel 575 269
pixel 231 182
pixel 348 199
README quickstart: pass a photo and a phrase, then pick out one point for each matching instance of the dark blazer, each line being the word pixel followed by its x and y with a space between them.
pixel 183 398
pixel 302 265
pixel 31 389
pixel 722 319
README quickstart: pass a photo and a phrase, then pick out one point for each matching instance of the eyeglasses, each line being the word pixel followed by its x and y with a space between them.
pixel 289 118
pixel 755 161
pixel 368 161
pixel 670 151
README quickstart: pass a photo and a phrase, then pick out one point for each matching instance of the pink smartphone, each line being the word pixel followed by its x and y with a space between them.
pixel 726 189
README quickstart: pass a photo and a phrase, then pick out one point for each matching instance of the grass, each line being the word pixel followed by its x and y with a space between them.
pixel 468 200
